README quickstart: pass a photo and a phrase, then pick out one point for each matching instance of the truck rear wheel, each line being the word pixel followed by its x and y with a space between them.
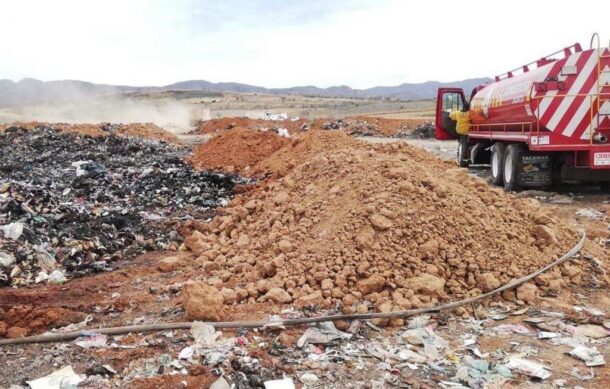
pixel 511 167
pixel 605 187
pixel 462 151
pixel 497 158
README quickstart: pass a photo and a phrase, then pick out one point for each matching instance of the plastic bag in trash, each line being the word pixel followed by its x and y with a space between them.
pixel 89 169
pixel 12 230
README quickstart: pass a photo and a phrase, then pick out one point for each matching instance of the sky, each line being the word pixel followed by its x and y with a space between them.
pixel 283 43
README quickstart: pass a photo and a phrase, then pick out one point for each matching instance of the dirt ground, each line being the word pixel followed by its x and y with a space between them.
pixel 145 291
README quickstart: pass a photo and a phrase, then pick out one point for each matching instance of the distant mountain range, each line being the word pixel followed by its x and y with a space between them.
pixel 32 91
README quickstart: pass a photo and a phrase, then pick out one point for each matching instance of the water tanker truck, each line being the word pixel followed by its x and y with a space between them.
pixel 542 124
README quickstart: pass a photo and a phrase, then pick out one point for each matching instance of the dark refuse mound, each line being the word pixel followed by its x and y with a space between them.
pixel 78 203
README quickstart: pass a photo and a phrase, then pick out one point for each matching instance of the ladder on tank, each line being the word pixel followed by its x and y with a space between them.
pixel 603 86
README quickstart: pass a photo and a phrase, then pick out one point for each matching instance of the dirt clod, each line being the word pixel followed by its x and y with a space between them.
pixel 203 302
pixel 527 292
pixel 16 332
pixel 278 295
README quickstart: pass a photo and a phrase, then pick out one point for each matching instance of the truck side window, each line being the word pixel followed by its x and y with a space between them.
pixel 452 101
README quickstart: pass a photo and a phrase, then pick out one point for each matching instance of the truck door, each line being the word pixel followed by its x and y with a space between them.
pixel 447 100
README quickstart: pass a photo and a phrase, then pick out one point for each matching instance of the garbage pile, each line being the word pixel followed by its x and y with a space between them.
pixel 72 204
pixel 366 227
pixel 375 126
pixel 354 127
pixel 140 130
pixel 423 131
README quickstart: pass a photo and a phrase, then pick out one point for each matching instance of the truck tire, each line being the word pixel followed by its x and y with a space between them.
pixel 462 152
pixel 511 167
pixel 605 187
pixel 497 161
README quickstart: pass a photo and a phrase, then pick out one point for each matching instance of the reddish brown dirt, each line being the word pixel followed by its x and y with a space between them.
pixel 353 221
pixel 228 123
pixel 138 289
pixel 238 150
pixel 140 130
pixel 32 319
pixel 302 149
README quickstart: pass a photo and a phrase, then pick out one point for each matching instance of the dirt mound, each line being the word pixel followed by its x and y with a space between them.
pixel 304 148
pixel 367 223
pixel 229 123
pixel 139 130
pixel 237 150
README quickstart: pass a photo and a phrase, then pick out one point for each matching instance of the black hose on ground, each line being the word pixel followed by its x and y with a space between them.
pixel 59 337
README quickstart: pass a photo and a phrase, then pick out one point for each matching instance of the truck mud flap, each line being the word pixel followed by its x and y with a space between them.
pixel 535 169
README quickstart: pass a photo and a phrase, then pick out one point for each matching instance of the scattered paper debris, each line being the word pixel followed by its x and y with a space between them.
pixel 589 213
pixel 309 378
pixel 589 355
pixel 592 331
pixel 220 383
pixel 323 334
pixel 285 383
pixel 60 379
pixel 186 353
pixel 548 335
pixel 516 328
pixel 529 368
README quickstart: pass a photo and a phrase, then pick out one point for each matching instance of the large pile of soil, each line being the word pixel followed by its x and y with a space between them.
pixel 238 150
pixel 367 222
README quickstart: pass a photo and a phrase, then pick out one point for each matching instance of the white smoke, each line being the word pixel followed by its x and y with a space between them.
pixel 114 109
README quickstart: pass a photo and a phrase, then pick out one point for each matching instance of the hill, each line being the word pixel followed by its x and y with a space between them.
pixel 32 91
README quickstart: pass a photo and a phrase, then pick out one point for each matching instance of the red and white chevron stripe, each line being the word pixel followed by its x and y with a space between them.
pixel 570 115
pixel 545 102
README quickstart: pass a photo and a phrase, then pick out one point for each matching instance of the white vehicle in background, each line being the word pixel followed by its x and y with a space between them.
pixel 275 116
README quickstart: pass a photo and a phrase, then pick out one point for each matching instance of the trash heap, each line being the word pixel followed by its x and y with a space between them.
pixel 140 130
pixel 423 131
pixel 73 203
pixel 352 223
pixel 374 126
